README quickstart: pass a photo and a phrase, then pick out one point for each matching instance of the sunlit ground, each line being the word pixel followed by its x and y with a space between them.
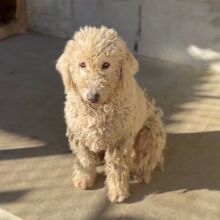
pixel 201 112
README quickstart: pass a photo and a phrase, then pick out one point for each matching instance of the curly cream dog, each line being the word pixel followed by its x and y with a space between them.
pixel 106 110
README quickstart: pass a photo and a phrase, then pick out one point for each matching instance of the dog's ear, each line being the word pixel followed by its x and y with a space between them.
pixel 62 66
pixel 130 64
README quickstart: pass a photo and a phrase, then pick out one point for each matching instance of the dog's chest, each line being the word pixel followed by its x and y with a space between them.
pixel 96 129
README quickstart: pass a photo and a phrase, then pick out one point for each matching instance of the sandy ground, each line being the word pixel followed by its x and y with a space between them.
pixel 35 162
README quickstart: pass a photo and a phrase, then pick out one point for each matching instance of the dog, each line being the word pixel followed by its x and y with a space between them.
pixel 106 111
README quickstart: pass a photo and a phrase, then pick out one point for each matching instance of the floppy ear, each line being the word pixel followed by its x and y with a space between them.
pixel 130 63
pixel 63 67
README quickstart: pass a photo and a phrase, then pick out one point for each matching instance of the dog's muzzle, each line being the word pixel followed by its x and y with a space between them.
pixel 93 97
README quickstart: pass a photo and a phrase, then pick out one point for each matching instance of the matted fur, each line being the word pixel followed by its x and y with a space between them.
pixel 125 124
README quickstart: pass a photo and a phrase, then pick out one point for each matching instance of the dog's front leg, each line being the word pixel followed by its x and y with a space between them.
pixel 84 168
pixel 117 171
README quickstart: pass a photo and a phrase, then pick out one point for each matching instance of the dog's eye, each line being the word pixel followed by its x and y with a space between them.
pixel 82 65
pixel 105 65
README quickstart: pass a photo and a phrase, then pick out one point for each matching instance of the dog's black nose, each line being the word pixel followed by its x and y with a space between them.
pixel 93 97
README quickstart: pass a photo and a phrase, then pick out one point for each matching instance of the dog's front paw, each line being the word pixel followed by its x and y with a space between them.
pixel 83 181
pixel 118 195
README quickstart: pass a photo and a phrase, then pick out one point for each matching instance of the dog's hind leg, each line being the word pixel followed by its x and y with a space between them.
pixel 148 149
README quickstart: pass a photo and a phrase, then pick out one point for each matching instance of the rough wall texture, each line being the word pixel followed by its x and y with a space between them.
pixel 163 29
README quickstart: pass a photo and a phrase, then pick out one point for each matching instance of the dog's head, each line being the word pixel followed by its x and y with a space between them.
pixel 95 63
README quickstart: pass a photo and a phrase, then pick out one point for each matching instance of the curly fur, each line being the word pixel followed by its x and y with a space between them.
pixel 125 124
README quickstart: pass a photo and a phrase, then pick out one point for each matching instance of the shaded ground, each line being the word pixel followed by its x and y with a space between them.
pixel 35 162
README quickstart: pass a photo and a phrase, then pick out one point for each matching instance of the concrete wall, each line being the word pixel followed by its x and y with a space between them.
pixel 163 29
pixel 62 18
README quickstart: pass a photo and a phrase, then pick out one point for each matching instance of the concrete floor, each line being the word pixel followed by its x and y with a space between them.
pixel 35 162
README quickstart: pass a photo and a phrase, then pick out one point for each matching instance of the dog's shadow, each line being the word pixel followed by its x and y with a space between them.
pixel 192 163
